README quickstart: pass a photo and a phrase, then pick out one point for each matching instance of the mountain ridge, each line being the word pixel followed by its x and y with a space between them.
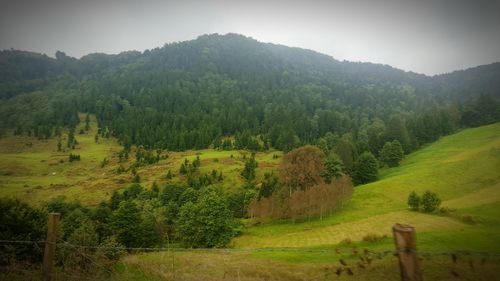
pixel 294 50
pixel 193 94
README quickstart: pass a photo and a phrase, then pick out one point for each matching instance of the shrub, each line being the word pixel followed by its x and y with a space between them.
pixel 468 219
pixel 104 162
pixel 346 241
pixel 19 221
pixel 74 157
pixel 413 201
pixel 445 211
pixel 430 202
pixel 372 238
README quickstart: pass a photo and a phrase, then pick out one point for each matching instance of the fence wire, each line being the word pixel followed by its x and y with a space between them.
pixel 80 262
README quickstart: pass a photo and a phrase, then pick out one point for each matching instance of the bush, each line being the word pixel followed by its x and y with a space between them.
pixel 430 202
pixel 468 219
pixel 372 238
pixel 346 241
pixel 413 201
pixel 74 157
pixel 19 221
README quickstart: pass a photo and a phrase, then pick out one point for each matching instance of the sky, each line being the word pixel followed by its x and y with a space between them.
pixel 423 36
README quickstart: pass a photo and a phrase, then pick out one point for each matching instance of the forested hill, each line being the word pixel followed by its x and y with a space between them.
pixel 233 91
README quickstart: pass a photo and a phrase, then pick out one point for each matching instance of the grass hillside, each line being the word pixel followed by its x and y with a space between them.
pixel 36 171
pixel 462 168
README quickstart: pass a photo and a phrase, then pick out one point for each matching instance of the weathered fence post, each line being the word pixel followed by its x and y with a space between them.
pixel 50 245
pixel 406 250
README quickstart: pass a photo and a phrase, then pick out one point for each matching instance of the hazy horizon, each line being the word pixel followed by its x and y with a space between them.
pixel 428 37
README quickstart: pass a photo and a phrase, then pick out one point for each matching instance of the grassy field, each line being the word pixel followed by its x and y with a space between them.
pixel 463 169
pixel 246 266
pixel 35 171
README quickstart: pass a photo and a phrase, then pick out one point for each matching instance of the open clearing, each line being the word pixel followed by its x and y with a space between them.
pixel 35 171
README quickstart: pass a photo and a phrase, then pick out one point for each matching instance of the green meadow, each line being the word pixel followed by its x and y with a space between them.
pixel 34 170
pixel 463 169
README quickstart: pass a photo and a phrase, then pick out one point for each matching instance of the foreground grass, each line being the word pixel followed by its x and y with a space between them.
pixel 279 266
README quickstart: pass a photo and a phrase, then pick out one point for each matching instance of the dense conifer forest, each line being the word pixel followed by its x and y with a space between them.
pixel 230 91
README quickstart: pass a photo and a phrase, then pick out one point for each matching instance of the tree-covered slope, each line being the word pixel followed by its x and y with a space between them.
pixel 193 94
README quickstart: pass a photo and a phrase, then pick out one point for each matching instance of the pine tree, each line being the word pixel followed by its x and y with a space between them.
pixel 87 122
pixel 249 170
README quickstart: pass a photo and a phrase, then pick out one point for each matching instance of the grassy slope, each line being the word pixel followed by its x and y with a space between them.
pixel 462 169
pixel 31 169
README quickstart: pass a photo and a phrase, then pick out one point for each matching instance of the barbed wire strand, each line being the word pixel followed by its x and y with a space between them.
pixel 180 249
pixel 345 269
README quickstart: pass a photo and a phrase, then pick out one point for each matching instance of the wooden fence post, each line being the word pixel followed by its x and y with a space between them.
pixel 406 250
pixel 50 245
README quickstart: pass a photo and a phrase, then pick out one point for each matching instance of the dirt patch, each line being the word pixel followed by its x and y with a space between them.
pixel 228 161
pixel 268 165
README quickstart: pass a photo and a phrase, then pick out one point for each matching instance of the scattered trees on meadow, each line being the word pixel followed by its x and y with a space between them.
pixel 428 202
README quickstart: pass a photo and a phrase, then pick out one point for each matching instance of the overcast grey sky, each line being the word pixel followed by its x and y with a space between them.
pixel 425 36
